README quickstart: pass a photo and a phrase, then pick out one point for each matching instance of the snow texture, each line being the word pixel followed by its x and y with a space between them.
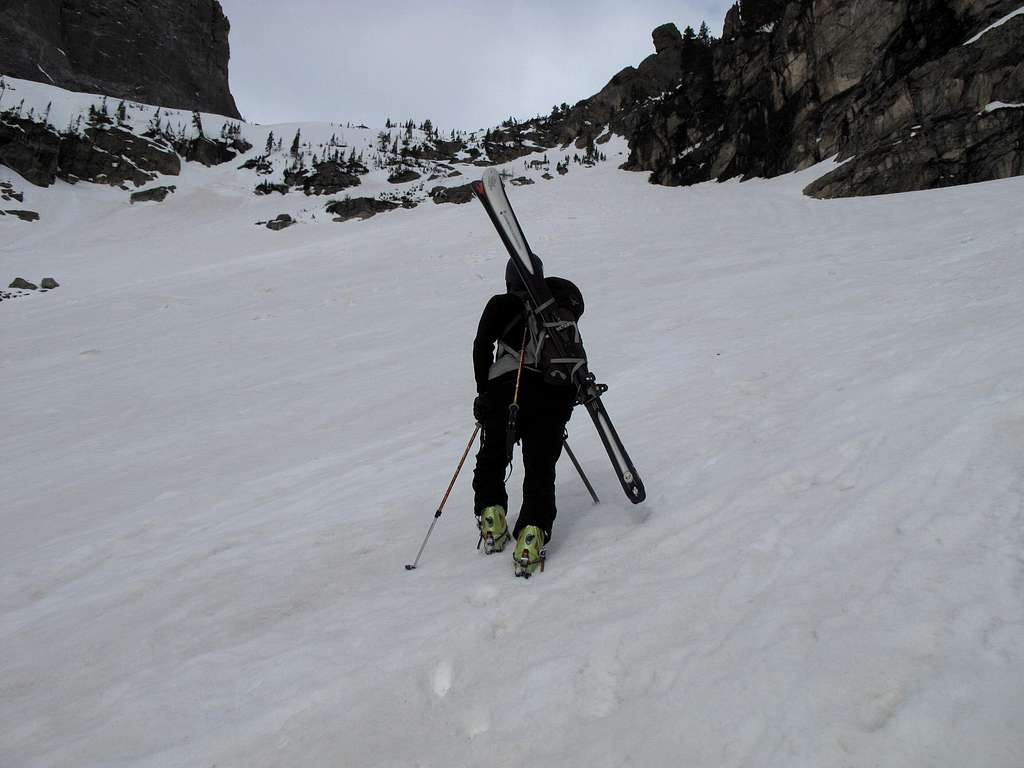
pixel 222 444
pixel 1003 20
pixel 994 105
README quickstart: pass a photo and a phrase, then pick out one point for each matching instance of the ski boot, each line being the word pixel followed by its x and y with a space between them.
pixel 494 533
pixel 529 553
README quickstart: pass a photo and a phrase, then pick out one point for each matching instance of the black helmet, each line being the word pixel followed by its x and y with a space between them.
pixel 513 282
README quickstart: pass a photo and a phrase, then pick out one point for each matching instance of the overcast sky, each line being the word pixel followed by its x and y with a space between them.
pixel 462 63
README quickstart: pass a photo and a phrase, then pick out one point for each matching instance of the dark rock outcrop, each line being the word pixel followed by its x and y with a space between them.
pixel 328 177
pixel 403 176
pixel 23 284
pixel 506 152
pixel 48 284
pixel 459 195
pixel 332 176
pixel 359 208
pixel 23 215
pixel 102 153
pixel 268 188
pixel 31 149
pixel 8 192
pixel 283 221
pixel 153 195
pixel 151 155
pixel 169 52
pixel 943 123
pixel 892 86
pixel 80 159
pixel 208 152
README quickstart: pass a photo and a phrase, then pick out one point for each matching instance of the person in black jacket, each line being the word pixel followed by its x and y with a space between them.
pixel 502 340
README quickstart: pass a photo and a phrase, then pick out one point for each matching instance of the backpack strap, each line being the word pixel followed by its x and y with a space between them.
pixel 507 358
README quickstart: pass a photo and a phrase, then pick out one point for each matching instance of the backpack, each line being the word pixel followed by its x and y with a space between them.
pixel 557 318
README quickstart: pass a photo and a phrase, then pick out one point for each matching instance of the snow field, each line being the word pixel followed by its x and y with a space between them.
pixel 223 444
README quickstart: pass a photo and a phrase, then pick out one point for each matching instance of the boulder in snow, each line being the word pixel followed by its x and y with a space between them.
pixel 359 208
pixel 283 221
pixel 154 194
pixel 403 176
pixel 23 215
pixel 460 194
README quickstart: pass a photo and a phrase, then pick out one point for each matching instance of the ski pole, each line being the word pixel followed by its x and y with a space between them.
pixel 513 410
pixel 412 566
pixel 583 477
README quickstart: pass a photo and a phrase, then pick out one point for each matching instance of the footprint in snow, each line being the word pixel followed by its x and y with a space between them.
pixel 483 594
pixel 442 679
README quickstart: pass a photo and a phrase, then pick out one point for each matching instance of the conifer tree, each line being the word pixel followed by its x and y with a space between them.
pixel 296 143
pixel 704 35
pixel 270 144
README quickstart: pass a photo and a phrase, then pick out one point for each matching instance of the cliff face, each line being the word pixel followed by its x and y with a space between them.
pixel 899 88
pixel 169 52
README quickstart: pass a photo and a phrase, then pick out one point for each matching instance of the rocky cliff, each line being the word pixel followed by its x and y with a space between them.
pixel 169 52
pixel 909 92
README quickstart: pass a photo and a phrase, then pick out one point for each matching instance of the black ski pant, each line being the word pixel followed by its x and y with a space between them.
pixel 543 413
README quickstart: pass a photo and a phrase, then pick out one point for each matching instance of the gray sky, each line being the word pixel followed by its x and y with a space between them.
pixel 461 63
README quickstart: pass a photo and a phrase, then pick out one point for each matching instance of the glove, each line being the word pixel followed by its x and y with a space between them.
pixel 480 407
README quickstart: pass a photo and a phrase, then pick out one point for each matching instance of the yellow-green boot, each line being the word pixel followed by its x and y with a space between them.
pixel 529 553
pixel 494 533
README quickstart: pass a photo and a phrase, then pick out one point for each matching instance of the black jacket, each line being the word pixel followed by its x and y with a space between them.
pixel 502 319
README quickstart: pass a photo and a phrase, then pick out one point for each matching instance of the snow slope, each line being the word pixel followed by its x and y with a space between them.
pixel 221 444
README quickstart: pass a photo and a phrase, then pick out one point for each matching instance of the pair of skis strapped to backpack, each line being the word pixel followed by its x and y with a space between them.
pixel 573 367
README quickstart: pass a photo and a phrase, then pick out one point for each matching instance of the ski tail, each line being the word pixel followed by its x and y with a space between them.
pixel 491 192
pixel 629 478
